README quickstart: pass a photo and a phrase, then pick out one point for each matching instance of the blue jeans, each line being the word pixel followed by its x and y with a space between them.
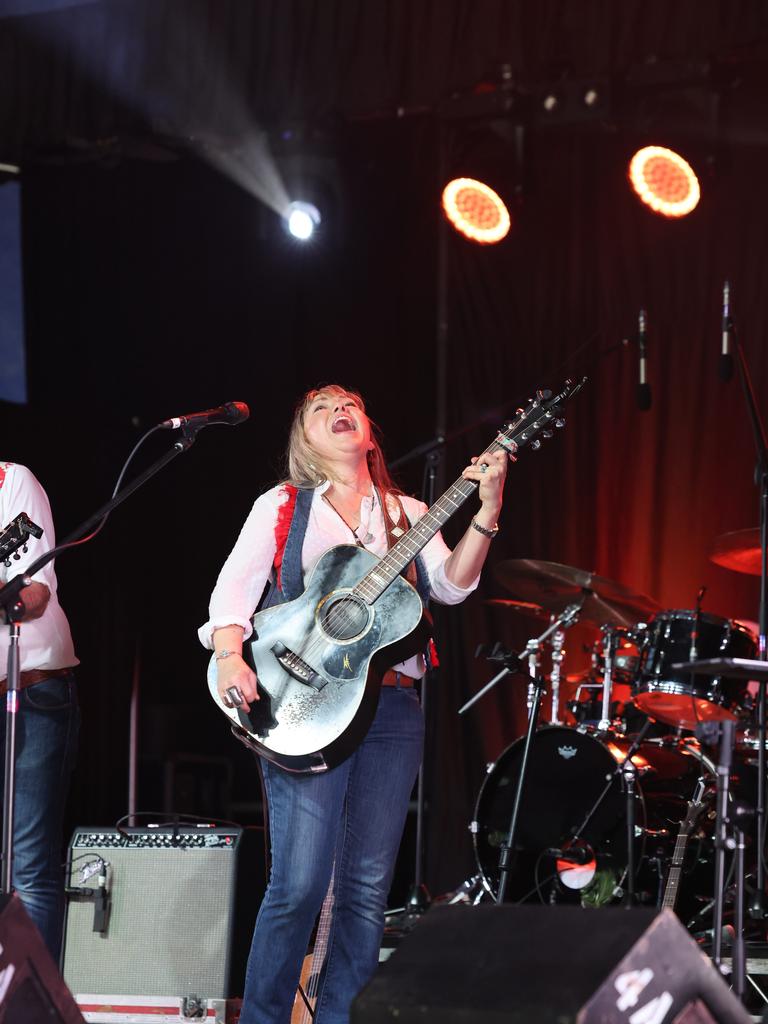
pixel 352 815
pixel 47 726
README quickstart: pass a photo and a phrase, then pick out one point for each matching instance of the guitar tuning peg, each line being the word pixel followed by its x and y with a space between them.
pixel 536 444
pixel 519 412
pixel 16 556
pixel 559 422
pixel 547 433
pixel 7 563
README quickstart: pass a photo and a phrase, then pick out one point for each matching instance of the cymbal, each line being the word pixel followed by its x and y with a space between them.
pixel 738 550
pixel 555 586
pixel 525 607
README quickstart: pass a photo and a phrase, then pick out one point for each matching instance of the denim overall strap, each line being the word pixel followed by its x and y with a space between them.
pixel 291 576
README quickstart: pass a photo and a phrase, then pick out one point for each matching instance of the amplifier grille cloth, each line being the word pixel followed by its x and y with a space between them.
pixel 169 927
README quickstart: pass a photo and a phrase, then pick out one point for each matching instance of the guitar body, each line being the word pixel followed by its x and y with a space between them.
pixel 319 661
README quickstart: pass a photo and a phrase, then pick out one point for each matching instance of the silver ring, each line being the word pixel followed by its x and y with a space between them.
pixel 483 467
pixel 234 694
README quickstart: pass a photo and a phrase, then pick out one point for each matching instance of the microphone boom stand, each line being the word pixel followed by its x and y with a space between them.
pixel 10 600
pixel 564 619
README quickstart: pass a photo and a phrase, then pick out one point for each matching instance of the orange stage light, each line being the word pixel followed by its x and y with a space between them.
pixel 476 210
pixel 664 181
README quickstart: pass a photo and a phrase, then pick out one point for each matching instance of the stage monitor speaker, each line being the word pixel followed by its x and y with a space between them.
pixel 547 965
pixel 159 911
pixel 31 989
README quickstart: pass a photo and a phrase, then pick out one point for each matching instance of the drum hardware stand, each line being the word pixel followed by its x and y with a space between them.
pixel 729 835
pixel 621 768
pixel 11 601
pixel 707 733
pixel 508 846
pixel 609 649
pixel 533 656
pixel 558 655
pixel 757 907
pixel 513 664
pixel 629 774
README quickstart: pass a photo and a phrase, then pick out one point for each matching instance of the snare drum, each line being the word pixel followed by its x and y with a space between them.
pixel 681 698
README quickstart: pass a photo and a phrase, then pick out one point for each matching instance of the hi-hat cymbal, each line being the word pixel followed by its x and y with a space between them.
pixel 555 586
pixel 738 550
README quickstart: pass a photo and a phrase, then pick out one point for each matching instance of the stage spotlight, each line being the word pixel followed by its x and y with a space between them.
pixel 664 181
pixel 475 210
pixel 301 220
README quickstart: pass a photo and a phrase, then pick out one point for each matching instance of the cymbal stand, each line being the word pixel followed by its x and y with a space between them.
pixel 533 654
pixel 558 655
pixel 609 649
pixel 757 907
pixel 724 764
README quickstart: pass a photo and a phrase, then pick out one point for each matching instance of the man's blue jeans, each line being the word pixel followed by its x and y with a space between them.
pixel 354 815
pixel 47 726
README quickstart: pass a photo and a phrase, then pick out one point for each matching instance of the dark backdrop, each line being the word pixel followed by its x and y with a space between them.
pixel 155 286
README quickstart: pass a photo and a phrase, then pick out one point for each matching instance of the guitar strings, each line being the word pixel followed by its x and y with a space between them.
pixel 340 617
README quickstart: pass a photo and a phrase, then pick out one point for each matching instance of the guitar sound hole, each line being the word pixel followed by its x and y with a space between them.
pixel 344 618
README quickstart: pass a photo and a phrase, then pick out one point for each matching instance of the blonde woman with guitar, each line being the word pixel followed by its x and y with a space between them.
pixel 348 564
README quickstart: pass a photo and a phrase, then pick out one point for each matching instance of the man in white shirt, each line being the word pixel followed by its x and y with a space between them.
pixel 48 720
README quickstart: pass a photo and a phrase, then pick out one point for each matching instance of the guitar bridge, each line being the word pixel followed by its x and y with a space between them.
pixel 298 668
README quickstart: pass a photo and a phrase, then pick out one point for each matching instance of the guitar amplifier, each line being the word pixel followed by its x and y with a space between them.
pixel 159 911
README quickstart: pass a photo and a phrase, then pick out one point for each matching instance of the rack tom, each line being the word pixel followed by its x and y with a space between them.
pixel 678 697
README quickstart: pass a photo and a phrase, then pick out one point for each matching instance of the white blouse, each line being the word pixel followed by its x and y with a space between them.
pixel 245 573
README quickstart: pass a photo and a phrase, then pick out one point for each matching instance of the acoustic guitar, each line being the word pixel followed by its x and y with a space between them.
pixel 319 658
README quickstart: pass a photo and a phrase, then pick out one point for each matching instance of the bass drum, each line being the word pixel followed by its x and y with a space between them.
pixel 567 772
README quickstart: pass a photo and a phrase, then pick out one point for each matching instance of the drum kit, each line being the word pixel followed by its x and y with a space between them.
pixel 620 782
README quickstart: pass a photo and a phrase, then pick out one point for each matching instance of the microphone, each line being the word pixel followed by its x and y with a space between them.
pixel 643 387
pixel 232 413
pixel 725 368
pixel 101 901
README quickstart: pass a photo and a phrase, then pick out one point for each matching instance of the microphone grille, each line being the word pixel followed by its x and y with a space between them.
pixel 237 412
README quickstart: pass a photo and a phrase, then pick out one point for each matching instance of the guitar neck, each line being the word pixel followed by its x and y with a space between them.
pixel 676 869
pixel 401 554
pixel 537 419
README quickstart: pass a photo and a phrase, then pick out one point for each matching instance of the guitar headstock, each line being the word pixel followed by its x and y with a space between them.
pixel 696 806
pixel 15 536
pixel 538 420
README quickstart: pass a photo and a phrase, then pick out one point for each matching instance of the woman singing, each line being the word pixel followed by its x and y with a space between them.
pixel 349 820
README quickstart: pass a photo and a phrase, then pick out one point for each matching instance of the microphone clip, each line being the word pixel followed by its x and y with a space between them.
pixel 499 653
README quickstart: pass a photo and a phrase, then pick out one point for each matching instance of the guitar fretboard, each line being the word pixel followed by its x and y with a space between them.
pixel 374 583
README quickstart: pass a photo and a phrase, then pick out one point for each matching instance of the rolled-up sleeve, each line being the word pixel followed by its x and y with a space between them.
pixel 434 556
pixel 245 573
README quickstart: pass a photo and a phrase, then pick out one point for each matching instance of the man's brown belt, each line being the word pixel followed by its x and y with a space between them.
pixel 34 675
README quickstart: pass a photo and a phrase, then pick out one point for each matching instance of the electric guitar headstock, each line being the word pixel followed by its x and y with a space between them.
pixel 15 536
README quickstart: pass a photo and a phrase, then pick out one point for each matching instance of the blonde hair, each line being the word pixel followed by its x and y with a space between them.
pixel 305 468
